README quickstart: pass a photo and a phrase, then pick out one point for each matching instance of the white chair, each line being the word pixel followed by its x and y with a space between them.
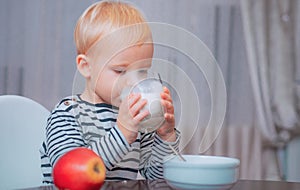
pixel 22 128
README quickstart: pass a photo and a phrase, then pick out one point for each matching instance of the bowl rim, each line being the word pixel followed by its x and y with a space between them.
pixel 173 160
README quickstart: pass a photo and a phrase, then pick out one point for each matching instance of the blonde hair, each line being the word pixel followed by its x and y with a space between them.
pixel 103 18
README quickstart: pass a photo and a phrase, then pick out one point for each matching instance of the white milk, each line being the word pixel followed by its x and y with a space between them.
pixel 156 117
pixel 150 90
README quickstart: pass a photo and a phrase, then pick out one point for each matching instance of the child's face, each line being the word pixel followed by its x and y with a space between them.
pixel 107 70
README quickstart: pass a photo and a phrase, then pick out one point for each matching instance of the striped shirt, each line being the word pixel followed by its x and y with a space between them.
pixel 77 123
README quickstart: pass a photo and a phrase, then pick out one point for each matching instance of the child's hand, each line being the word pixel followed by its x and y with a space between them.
pixel 130 115
pixel 167 131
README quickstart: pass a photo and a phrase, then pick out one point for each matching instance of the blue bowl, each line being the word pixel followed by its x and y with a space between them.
pixel 201 172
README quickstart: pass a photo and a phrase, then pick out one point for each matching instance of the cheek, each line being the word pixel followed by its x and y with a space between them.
pixel 99 75
pixel 106 82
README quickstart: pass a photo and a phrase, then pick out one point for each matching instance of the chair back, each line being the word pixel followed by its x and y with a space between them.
pixel 22 128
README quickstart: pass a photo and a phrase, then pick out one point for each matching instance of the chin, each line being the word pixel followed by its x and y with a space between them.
pixel 116 102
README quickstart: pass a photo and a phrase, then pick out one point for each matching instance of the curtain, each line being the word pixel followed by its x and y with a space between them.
pixel 270 35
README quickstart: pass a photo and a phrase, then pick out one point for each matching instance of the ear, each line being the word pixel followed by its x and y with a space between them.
pixel 83 65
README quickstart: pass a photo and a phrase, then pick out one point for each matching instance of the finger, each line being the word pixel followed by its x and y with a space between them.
pixel 133 99
pixel 166 90
pixel 170 118
pixel 141 115
pixel 166 96
pixel 169 108
pixel 136 108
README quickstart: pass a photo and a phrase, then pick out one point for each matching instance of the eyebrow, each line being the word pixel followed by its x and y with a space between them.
pixel 118 64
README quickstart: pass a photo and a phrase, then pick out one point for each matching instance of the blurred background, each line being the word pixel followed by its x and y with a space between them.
pixel 256 43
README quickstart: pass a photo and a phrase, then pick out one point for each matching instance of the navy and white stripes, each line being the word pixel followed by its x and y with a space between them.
pixel 76 123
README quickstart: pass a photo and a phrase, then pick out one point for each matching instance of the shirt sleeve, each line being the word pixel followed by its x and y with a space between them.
pixel 153 151
pixel 64 134
pixel 112 147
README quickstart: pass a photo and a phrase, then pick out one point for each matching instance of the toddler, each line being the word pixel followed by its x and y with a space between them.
pixel 111 38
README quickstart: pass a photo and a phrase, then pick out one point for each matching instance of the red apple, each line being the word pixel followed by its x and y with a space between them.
pixel 79 169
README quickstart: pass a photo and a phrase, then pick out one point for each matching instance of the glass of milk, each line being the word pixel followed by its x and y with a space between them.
pixel 149 85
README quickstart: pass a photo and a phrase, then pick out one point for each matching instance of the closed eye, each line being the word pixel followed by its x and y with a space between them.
pixel 119 71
